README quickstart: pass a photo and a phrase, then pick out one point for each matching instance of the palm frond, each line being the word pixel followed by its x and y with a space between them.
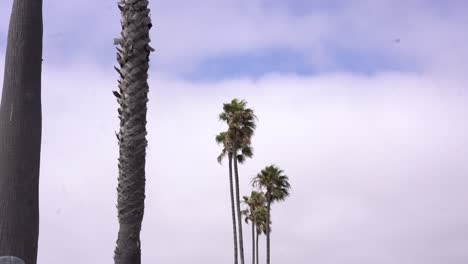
pixel 273 180
pixel 221 156
pixel 241 127
pixel 240 158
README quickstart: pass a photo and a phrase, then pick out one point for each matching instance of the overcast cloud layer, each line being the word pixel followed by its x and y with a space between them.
pixel 192 37
pixel 377 162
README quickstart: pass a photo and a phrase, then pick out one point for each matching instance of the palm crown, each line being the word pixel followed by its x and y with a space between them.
pixel 258 217
pixel 273 180
pixel 241 123
pixel 254 201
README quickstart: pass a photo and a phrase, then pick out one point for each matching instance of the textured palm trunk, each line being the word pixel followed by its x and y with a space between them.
pixel 20 133
pixel 133 58
pixel 253 242
pixel 256 246
pixel 268 232
pixel 233 209
pixel 239 218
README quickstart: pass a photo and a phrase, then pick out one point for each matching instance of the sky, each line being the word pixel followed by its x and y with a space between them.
pixel 363 105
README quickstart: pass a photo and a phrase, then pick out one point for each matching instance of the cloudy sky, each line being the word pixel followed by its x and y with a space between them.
pixel 372 131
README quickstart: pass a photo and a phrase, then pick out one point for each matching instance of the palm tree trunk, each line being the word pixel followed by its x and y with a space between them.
pixel 233 209
pixel 253 242
pixel 239 220
pixel 20 133
pixel 256 246
pixel 268 232
pixel 133 58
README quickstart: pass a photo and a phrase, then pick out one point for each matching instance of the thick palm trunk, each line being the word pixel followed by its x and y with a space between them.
pixel 133 58
pixel 268 232
pixel 20 133
pixel 233 210
pixel 253 242
pixel 256 246
pixel 239 218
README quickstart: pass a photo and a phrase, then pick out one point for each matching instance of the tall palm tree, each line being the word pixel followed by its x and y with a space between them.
pixel 20 133
pixel 246 152
pixel 253 202
pixel 133 58
pixel 277 188
pixel 241 127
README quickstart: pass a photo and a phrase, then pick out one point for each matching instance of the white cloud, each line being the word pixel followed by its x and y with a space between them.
pixel 183 37
pixel 376 165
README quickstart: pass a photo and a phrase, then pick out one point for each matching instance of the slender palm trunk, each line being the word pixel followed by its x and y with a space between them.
pixel 268 232
pixel 233 209
pixel 256 246
pixel 253 242
pixel 239 218
pixel 20 133
pixel 133 58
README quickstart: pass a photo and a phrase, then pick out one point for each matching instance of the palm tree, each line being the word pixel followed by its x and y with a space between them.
pixel 246 152
pixel 253 202
pixel 258 219
pixel 133 58
pixel 275 183
pixel 241 127
pixel 20 133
